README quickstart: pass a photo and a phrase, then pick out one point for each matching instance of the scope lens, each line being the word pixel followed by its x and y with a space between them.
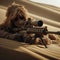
pixel 40 23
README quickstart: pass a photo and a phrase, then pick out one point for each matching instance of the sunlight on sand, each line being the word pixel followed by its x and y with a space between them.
pixel 50 2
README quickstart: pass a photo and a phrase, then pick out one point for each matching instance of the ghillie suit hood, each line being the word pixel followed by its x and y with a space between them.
pixel 15 12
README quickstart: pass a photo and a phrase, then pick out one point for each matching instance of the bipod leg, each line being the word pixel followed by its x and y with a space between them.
pixel 44 42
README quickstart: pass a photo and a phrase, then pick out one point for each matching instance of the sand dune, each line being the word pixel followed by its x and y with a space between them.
pixel 45 13
pixel 13 50
pixel 10 49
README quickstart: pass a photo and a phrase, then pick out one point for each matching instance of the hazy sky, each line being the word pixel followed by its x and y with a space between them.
pixel 51 2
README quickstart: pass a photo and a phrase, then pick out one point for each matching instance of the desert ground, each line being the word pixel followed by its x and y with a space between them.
pixel 13 50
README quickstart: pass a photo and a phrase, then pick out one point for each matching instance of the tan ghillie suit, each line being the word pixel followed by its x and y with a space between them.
pixel 15 18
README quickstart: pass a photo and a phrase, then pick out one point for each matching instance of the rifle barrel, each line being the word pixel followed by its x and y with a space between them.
pixel 58 32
